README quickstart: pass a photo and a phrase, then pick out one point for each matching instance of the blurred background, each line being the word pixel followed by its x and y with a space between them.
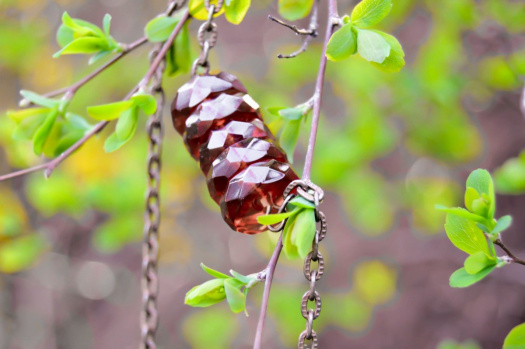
pixel 390 147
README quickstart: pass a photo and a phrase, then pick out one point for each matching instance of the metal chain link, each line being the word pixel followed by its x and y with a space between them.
pixel 313 193
pixel 150 246
pixel 207 37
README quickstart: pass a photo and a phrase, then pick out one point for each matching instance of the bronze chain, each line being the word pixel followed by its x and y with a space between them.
pixel 315 194
pixel 207 37
pixel 150 247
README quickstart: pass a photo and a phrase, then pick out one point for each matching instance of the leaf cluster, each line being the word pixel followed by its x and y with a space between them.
pixel 50 127
pixel 474 230
pixel 127 113
pixel 233 289
pixel 355 36
pixel 178 58
pixel 287 126
pixel 234 10
pixel 299 229
pixel 76 36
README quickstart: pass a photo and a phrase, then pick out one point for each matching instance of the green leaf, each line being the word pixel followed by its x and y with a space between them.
pixel 516 338
pixel 465 235
pixel 289 248
pixel 67 141
pixel 147 103
pixel 127 124
pixel 370 12
pixel 299 201
pixel 481 181
pixel 198 10
pixel 106 24
pixel 293 10
pixel 209 293
pixel 291 113
pixel 213 272
pixel 289 137
pixel 477 262
pixel 83 45
pixel 77 27
pixel 460 212
pixel 503 223
pixel 20 253
pixel 460 278
pixel 42 134
pixel 395 60
pixel 303 232
pixel 113 142
pixel 342 44
pixel 242 278
pixel 372 46
pixel 19 116
pixel 470 195
pixel 109 111
pixel 271 219
pixel 37 99
pixel 159 29
pixel 178 58
pixel 275 110
pixel 98 56
pixel 65 35
pixel 236 10
pixel 236 299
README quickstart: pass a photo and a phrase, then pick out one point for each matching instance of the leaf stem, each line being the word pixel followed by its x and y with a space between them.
pixel 270 269
pixel 508 252
pixel 51 165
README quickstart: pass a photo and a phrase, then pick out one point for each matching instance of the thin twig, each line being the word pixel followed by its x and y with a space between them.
pixel 71 90
pixel 310 33
pixel 332 15
pixel 507 251
pixel 272 264
pixel 51 165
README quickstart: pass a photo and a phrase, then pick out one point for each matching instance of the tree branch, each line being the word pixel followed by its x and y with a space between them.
pixel 270 269
pixel 332 23
pixel 512 257
pixel 315 102
pixel 51 165
pixel 310 33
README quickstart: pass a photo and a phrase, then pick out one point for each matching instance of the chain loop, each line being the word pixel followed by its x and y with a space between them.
pixel 314 194
pixel 207 37
pixel 303 338
pixel 150 246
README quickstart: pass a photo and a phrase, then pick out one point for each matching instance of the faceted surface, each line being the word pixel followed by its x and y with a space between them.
pixel 212 115
pixel 252 191
pixel 197 90
pixel 233 132
pixel 235 159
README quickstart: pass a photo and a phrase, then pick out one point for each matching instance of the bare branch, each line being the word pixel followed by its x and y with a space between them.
pixel 512 257
pixel 309 33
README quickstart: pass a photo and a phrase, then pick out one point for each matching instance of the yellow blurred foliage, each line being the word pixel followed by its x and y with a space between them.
pixel 375 282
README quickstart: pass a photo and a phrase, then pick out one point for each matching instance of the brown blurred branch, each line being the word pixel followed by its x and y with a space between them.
pixel 51 165
pixel 512 257
pixel 270 270
pixel 309 33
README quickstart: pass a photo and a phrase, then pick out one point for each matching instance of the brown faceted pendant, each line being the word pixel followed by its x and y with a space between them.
pixel 246 170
